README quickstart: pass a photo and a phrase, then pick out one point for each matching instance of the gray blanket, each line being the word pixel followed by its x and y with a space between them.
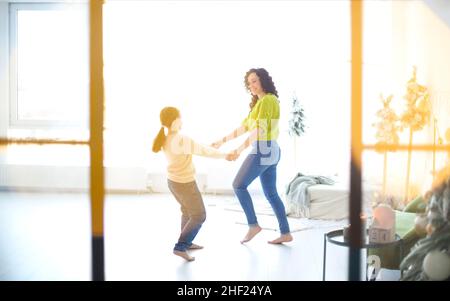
pixel 297 196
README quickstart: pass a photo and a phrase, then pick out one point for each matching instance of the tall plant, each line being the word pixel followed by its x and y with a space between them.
pixel 387 132
pixel 296 123
pixel 416 115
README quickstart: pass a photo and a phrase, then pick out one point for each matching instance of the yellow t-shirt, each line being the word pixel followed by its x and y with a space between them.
pixel 264 116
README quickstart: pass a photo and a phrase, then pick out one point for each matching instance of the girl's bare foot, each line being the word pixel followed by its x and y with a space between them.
pixel 283 238
pixel 195 247
pixel 252 231
pixel 184 255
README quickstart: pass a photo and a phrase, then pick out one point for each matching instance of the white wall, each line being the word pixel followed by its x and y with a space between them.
pixel 426 45
pixel 419 38
pixel 200 68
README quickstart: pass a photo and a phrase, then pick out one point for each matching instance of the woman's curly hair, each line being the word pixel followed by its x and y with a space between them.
pixel 266 83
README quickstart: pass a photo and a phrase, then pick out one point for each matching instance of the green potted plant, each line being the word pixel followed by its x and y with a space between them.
pixel 296 124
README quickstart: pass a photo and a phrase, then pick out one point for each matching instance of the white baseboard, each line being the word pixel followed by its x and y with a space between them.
pixel 69 178
pixel 76 179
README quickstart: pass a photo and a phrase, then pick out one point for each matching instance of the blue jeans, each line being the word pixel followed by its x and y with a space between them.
pixel 193 213
pixel 261 162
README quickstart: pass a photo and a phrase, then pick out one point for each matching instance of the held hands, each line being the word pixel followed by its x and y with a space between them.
pixel 232 156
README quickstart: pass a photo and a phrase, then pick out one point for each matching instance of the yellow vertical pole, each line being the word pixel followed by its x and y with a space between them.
pixel 434 148
pixel 356 141
pixel 97 186
pixel 384 173
pixel 408 166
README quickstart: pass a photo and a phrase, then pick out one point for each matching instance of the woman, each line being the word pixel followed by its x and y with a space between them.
pixel 262 126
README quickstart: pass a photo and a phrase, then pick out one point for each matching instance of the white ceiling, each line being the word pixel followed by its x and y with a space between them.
pixel 441 8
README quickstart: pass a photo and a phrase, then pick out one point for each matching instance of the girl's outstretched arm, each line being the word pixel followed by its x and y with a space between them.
pixel 189 146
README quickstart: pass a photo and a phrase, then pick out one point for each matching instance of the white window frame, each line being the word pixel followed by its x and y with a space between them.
pixel 14 121
pixel 4 69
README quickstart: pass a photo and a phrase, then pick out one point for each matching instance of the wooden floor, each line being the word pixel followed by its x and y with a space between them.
pixel 47 237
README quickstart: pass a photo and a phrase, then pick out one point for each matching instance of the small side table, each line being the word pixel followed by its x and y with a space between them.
pixel 337 237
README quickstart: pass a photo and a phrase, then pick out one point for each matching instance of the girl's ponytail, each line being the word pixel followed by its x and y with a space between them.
pixel 159 140
pixel 167 116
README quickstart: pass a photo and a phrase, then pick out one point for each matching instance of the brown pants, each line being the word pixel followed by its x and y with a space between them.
pixel 193 212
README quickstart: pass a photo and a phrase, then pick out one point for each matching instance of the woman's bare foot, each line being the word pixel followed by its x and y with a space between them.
pixel 283 238
pixel 252 231
pixel 184 255
pixel 195 247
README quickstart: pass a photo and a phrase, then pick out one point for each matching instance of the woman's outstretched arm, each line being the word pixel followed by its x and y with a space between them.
pixel 233 135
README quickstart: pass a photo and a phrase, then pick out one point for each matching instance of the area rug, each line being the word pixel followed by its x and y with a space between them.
pixel 268 221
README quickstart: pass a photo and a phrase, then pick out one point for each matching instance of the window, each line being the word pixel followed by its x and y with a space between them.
pixel 49 77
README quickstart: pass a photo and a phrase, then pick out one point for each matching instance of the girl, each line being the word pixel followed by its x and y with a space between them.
pixel 262 124
pixel 179 150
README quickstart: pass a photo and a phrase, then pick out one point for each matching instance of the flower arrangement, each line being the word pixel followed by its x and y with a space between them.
pixel 418 108
pixel 387 133
pixel 416 115
pixel 387 128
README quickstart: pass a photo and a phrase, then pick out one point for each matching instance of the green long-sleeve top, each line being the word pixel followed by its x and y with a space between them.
pixel 264 116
